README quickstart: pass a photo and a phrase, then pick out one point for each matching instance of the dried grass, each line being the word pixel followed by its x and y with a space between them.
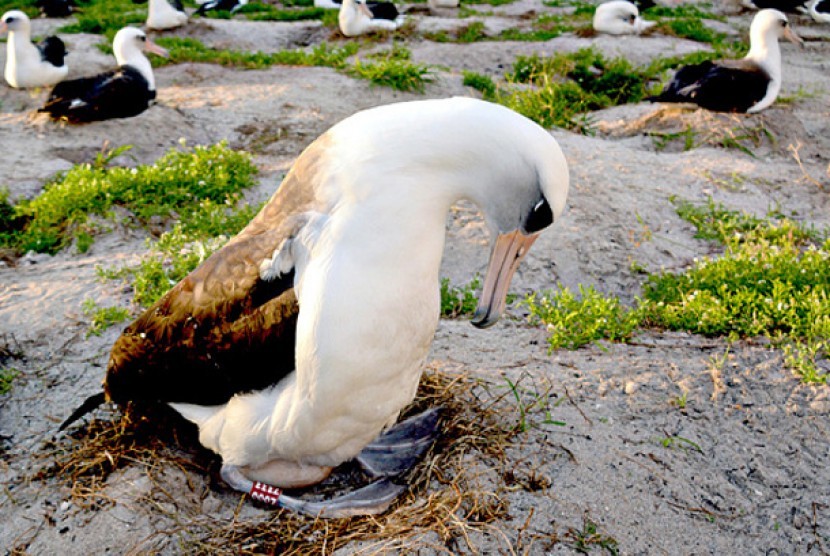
pixel 448 500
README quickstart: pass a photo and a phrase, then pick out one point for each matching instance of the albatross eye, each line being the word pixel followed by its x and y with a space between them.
pixel 539 218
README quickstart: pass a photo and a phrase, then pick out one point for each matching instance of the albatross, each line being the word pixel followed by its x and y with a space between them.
pixel 162 15
pixel 750 84
pixel 356 18
pixel 121 93
pixel 620 17
pixel 295 347
pixel 27 64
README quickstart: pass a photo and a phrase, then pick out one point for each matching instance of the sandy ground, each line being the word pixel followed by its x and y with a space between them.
pixel 756 479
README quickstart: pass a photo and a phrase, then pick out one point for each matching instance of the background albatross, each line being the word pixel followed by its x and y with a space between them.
pixel 297 344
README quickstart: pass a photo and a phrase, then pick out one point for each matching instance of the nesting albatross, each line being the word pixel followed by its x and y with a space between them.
pixel 357 18
pixel 121 93
pixel 750 84
pixel 298 343
pixel 620 17
pixel 27 64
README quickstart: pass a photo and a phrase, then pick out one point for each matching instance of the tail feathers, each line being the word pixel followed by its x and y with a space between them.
pixel 93 402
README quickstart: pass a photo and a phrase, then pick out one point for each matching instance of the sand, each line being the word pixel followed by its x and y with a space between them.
pixel 753 478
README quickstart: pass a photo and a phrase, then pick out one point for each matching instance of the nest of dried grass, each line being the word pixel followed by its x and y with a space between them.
pixel 446 501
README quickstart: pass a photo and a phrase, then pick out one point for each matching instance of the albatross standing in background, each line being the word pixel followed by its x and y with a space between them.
pixel 121 93
pixel 299 342
pixel 746 85
pixel 29 65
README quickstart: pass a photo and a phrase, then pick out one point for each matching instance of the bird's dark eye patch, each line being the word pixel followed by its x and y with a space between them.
pixel 142 39
pixel 539 218
pixel 10 20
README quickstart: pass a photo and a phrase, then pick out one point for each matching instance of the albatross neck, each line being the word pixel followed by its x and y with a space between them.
pixel 765 52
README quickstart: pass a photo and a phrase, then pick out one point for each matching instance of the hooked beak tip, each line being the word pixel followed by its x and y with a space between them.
pixel 483 319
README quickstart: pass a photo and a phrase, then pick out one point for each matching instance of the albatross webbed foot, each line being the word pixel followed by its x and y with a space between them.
pixel 394 452
pixel 372 499
pixel 398 449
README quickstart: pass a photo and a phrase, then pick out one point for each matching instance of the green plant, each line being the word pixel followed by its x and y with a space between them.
pixel 183 49
pixel 589 537
pixel 176 183
pixel 268 12
pixel 102 317
pixel 575 321
pixel 7 376
pixel 482 83
pixel 394 69
pixel 679 442
pixel 105 17
pixel 458 301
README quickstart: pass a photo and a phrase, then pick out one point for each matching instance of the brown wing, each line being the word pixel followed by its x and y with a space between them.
pixel 221 330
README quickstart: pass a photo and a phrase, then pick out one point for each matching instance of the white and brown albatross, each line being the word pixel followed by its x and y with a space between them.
pixel 298 343
pixel 120 93
pixel 27 64
pixel 750 84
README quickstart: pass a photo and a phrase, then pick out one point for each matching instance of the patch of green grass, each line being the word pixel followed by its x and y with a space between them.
pixel 717 223
pixel 560 90
pixel 268 12
pixel 175 184
pixel 102 318
pixel 183 49
pixel 480 82
pixel 773 281
pixel 106 17
pixel 26 6
pixel 457 301
pixel 394 69
pixel 7 376
pixel 573 321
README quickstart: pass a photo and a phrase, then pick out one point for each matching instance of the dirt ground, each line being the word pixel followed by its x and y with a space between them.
pixel 753 477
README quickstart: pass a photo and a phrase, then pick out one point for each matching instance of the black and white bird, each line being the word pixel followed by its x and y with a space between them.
pixel 219 5
pixel 820 10
pixel 357 18
pixel 379 10
pixel 785 6
pixel 29 65
pixel 296 345
pixel 56 8
pixel 620 17
pixel 750 84
pixel 162 15
pixel 120 93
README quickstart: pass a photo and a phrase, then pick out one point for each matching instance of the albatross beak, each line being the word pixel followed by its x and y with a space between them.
pixel 150 46
pixel 508 252
pixel 790 35
pixel 3 27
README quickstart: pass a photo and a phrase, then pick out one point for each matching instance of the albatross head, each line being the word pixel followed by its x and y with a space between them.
pixel 517 215
pixel 768 26
pixel 15 21
pixel 129 46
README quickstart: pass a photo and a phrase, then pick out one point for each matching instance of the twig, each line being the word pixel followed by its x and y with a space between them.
pixel 806 175
pixel 579 409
